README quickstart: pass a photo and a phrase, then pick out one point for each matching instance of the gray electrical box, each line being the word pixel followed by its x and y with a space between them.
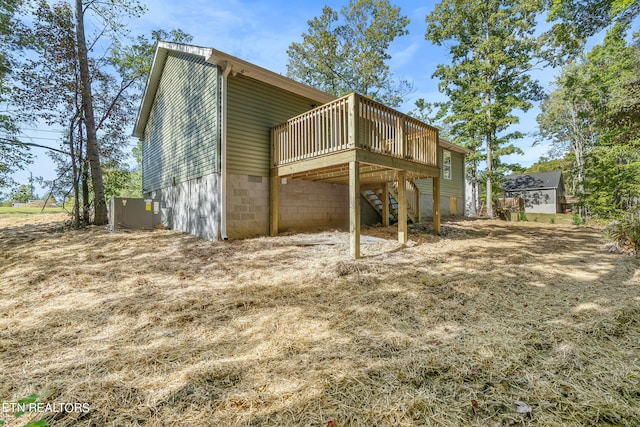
pixel 133 214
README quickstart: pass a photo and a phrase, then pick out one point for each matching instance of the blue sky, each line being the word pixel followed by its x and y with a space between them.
pixel 261 31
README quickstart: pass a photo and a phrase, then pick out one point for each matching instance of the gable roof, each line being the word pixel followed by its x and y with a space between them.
pixel 447 145
pixel 212 56
pixel 532 181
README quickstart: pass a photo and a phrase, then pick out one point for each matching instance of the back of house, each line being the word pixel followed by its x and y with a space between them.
pixel 206 123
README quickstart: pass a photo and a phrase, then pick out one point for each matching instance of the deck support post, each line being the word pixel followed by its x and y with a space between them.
pixel 273 205
pixel 354 208
pixel 402 207
pixel 416 190
pixel 436 204
pixel 385 204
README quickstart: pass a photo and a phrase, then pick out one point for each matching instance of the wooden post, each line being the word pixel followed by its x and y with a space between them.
pixel 402 143
pixel 417 200
pixel 354 119
pixel 436 204
pixel 273 205
pixel 402 207
pixel 385 204
pixel 354 208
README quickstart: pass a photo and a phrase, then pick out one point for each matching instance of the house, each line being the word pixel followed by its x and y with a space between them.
pixel 452 181
pixel 233 150
pixel 543 192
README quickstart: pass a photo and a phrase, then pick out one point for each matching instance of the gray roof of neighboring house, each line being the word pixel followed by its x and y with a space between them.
pixel 532 181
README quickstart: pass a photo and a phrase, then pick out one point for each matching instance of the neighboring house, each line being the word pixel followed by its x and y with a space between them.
pixel 233 150
pixel 542 192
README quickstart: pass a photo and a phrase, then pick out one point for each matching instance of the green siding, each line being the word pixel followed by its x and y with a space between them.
pixel 453 187
pixel 254 108
pixel 181 136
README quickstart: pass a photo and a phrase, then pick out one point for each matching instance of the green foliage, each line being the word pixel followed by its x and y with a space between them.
pixel 576 20
pixel 22 194
pixel 576 219
pixel 522 216
pixel 33 398
pixel 626 231
pixel 593 118
pixel 13 154
pixel 492 48
pixel 552 221
pixel 119 181
pixel 347 51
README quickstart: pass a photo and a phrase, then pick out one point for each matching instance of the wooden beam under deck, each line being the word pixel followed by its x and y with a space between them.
pixel 334 168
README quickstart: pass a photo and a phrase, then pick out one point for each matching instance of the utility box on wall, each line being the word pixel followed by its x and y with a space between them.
pixel 133 214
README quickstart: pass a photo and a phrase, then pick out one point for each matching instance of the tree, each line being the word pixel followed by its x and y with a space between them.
pixel 491 45
pixel 347 52
pixel 22 194
pixel 613 91
pixel 565 120
pixel 594 116
pixel 13 154
pixel 55 91
pixel 576 20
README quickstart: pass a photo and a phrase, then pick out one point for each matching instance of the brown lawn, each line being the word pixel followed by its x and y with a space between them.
pixel 492 324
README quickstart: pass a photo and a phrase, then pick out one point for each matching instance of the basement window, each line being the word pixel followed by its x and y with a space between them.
pixel 446 164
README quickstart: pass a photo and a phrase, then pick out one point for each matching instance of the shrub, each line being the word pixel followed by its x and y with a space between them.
pixel 576 219
pixel 552 220
pixel 522 216
pixel 626 231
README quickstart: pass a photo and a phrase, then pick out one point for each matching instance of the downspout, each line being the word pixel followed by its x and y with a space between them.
pixel 223 155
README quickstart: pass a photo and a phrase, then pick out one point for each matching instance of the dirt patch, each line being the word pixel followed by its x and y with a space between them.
pixel 492 323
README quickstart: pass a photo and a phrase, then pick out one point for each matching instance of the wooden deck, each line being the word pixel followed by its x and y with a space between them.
pixel 356 141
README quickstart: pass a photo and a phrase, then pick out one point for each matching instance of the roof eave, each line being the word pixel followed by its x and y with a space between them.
pixel 239 66
pixel 454 147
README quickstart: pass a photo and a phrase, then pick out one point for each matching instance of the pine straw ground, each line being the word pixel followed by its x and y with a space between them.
pixel 160 328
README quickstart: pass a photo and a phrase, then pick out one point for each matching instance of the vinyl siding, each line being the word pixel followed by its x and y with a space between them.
pixel 453 187
pixel 254 108
pixel 182 133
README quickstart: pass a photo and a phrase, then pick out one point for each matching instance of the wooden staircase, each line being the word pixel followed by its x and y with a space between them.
pixel 374 197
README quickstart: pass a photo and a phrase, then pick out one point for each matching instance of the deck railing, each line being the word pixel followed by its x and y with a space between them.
pixel 354 122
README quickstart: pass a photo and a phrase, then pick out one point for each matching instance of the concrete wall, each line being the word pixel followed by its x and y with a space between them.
pixel 303 206
pixel 308 205
pixel 247 206
pixel 446 202
pixel 194 205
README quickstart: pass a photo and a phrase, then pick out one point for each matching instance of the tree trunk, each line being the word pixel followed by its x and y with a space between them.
pixel 86 204
pixel 474 189
pixel 489 141
pixel 93 154
pixel 76 176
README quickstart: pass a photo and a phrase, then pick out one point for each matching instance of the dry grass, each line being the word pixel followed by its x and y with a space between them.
pixel 159 328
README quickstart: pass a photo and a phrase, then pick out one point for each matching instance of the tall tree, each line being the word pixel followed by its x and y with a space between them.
pixel 594 115
pixel 93 153
pixel 348 51
pixel 613 90
pixel 491 45
pixel 565 120
pixel 53 91
pixel 574 21
pixel 13 154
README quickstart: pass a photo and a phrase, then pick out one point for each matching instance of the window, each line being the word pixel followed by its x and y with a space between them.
pixel 446 164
